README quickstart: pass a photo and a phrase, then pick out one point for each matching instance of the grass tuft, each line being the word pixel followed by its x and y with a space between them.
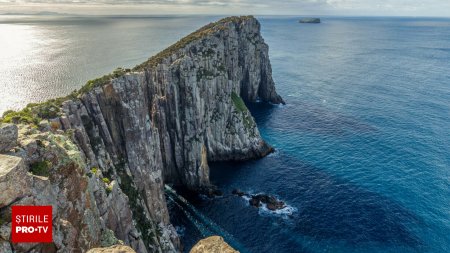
pixel 238 102
pixel 41 168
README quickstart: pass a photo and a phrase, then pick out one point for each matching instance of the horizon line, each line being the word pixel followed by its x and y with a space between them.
pixel 51 13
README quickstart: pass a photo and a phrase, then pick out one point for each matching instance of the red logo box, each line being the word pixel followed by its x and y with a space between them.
pixel 31 224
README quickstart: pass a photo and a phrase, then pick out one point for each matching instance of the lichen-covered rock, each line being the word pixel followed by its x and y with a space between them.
pixel 212 244
pixel 51 170
pixel 8 137
pixel 14 182
pixel 5 231
pixel 113 249
pixel 5 247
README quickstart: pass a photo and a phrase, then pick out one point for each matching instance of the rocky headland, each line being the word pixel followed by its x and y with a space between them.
pixel 101 156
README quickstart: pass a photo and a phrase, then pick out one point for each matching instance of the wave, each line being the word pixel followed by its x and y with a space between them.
pixel 285 212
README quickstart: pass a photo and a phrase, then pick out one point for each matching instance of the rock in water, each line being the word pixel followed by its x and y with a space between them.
pixel 271 202
pixel 310 20
pixel 238 192
pixel 103 154
pixel 212 244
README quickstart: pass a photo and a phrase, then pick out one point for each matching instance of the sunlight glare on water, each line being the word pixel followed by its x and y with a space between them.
pixel 19 48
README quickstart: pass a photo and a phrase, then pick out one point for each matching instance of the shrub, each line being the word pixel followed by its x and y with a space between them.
pixel 238 102
pixel 106 180
pixel 41 168
pixel 33 113
pixel 24 116
pixel 109 189
pixel 98 82
pixel 47 110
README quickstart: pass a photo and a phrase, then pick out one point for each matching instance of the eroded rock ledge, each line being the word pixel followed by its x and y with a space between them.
pixel 100 156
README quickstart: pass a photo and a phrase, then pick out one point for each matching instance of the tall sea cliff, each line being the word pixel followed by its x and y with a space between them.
pixel 102 155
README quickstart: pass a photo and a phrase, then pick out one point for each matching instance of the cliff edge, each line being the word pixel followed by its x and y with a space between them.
pixel 101 155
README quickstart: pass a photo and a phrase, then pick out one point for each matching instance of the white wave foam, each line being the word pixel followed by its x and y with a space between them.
pixel 284 212
pixel 246 198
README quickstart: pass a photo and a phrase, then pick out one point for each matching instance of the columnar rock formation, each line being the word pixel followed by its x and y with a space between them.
pixel 107 152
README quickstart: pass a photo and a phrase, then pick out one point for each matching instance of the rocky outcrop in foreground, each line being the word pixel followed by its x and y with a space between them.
pixel 212 244
pixel 113 249
pixel 102 155
pixel 8 137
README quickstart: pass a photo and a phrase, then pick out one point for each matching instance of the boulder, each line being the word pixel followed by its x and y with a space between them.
pixel 212 244
pixel 5 247
pixel 271 202
pixel 113 249
pixel 238 192
pixel 254 202
pixel 13 173
pixel 8 137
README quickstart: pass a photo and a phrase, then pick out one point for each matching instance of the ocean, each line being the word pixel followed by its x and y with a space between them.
pixel 362 145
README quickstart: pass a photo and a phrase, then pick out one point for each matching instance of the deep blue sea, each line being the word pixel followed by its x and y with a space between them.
pixel 362 145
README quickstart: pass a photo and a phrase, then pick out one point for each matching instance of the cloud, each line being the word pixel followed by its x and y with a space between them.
pixel 295 7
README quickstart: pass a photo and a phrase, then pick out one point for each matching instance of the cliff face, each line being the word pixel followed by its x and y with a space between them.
pixel 190 99
pixel 159 123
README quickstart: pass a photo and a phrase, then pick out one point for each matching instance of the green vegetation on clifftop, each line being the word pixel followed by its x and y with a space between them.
pixel 91 84
pixel 33 113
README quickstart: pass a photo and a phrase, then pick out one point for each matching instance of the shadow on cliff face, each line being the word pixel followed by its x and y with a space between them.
pixel 313 118
pixel 329 208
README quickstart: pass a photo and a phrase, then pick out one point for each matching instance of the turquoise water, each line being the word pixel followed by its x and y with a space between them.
pixel 363 144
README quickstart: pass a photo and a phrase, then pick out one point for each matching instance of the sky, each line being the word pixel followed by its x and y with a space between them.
pixel 235 7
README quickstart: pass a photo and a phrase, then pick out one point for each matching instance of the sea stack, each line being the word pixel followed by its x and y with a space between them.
pixel 102 155
pixel 309 20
